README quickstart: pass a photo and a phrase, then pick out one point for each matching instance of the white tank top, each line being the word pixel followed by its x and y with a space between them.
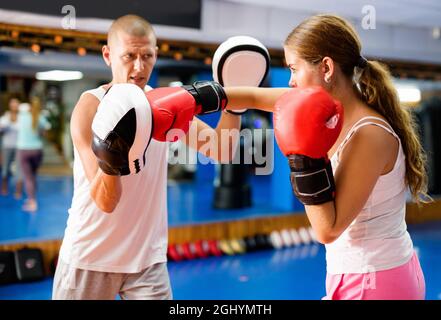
pixel 132 237
pixel 377 239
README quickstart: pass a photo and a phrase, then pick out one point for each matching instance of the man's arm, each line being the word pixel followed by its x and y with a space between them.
pixel 105 190
pixel 218 143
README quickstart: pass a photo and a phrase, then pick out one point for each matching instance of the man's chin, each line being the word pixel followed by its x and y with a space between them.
pixel 139 83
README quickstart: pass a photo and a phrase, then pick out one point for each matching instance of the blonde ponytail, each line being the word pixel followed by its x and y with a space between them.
pixel 377 90
pixel 35 112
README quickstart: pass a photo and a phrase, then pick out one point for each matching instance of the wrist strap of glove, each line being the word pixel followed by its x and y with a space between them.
pixel 108 169
pixel 312 180
pixel 106 155
pixel 209 95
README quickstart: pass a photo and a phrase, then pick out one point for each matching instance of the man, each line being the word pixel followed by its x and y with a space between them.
pixel 123 252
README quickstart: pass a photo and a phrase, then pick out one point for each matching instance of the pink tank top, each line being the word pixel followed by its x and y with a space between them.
pixel 377 239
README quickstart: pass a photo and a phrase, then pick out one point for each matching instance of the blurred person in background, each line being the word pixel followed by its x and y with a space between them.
pixel 9 129
pixel 31 128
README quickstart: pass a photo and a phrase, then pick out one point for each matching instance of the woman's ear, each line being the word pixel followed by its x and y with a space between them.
pixel 328 69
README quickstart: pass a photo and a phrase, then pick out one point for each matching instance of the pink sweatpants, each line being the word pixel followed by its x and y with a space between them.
pixel 405 282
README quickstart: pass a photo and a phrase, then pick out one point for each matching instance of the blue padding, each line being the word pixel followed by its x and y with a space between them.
pixel 279 77
pixel 281 191
pixel 153 81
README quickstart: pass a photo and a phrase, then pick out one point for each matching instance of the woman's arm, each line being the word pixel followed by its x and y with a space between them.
pixel 253 98
pixel 221 142
pixel 370 153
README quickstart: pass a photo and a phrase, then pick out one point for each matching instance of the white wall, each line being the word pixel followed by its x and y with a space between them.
pixel 221 19
pixel 396 39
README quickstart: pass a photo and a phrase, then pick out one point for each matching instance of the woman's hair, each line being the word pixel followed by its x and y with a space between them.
pixel 35 111
pixel 331 36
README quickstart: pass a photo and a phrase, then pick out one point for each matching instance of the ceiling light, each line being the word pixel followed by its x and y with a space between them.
pixel 58 39
pixel 165 47
pixel 178 56
pixel 35 48
pixel 59 75
pixel 81 51
pixel 409 94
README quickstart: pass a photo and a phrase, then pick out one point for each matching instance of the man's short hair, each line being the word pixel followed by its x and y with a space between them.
pixel 132 25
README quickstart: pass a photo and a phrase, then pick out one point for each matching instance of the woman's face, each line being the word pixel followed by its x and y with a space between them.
pixel 13 104
pixel 303 73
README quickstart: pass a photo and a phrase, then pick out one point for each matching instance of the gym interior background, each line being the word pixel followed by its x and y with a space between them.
pixel 38 39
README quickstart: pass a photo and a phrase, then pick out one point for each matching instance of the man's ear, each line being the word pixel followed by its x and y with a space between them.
pixel 106 54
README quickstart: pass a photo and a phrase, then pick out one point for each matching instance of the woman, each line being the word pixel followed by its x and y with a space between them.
pixel 31 125
pixel 376 157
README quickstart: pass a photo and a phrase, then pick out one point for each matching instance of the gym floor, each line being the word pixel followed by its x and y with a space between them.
pixel 293 273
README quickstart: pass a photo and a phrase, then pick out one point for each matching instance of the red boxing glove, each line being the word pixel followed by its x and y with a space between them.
pixel 172 108
pixel 307 123
pixel 175 107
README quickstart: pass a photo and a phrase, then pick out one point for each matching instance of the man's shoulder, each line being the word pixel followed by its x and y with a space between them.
pixel 97 92
pixel 86 106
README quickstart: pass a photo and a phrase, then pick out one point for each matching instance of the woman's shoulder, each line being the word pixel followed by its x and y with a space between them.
pixel 374 135
pixel 370 114
pixel 371 120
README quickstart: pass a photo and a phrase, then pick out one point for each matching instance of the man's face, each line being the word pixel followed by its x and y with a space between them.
pixel 131 58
